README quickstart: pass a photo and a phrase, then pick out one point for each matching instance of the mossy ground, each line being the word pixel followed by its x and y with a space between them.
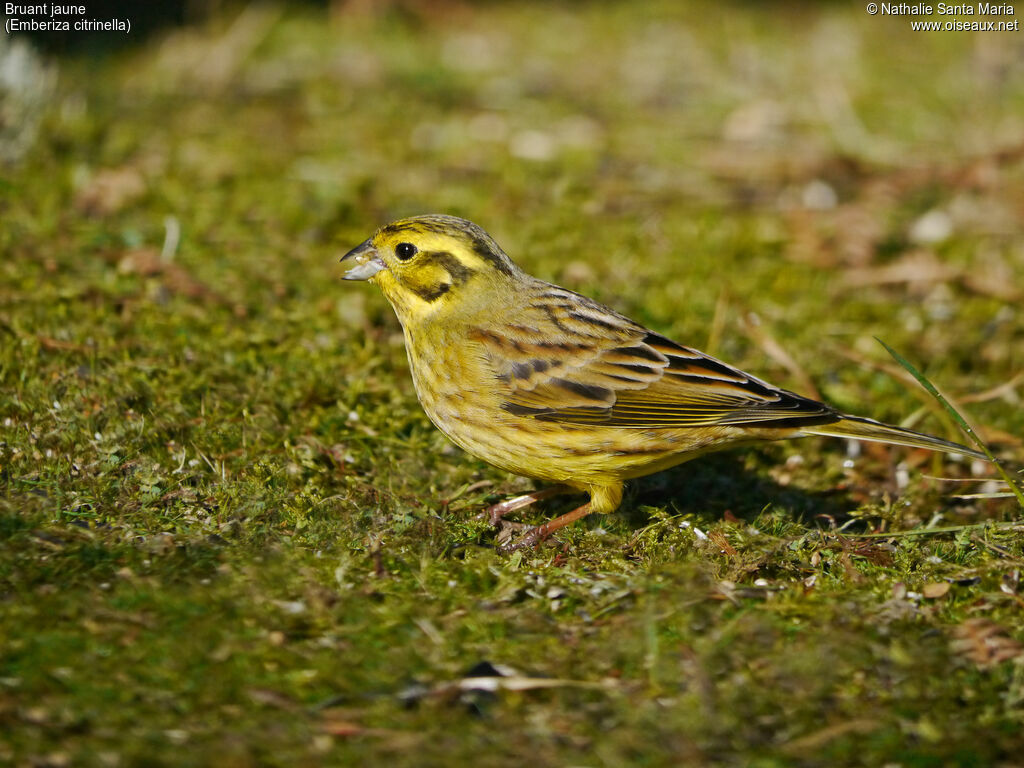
pixel 228 534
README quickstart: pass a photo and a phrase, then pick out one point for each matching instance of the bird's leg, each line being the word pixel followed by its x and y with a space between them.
pixel 536 535
pixel 496 512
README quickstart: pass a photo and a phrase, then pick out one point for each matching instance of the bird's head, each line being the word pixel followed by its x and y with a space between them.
pixel 428 265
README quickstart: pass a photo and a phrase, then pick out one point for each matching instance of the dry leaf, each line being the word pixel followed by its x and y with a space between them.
pixel 855 576
pixel 985 643
pixel 913 267
pixel 272 698
pixel 341 727
pixel 935 589
pixel 1010 582
pixel 110 190
pixel 148 262
pixel 722 543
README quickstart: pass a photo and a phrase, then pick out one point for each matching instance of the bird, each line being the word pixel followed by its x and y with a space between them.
pixel 544 382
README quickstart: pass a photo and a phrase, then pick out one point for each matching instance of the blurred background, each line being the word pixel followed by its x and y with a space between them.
pixel 223 506
pixel 832 171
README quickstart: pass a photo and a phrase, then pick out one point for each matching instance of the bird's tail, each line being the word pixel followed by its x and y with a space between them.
pixel 859 428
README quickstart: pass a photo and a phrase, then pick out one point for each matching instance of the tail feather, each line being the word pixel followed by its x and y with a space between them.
pixel 859 428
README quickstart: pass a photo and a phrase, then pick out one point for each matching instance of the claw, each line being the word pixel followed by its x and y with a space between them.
pixel 532 538
pixel 537 535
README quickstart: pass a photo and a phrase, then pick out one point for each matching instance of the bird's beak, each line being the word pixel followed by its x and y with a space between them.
pixel 365 261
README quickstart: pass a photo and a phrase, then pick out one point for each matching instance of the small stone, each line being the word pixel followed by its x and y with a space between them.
pixel 933 227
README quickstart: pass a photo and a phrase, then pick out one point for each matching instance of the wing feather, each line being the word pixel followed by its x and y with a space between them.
pixel 597 367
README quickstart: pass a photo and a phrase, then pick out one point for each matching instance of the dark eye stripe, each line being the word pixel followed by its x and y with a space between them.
pixel 459 272
pixel 433 293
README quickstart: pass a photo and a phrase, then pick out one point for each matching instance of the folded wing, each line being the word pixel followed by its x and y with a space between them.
pixel 592 366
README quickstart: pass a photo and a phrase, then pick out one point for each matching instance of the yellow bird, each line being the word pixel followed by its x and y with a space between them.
pixel 546 383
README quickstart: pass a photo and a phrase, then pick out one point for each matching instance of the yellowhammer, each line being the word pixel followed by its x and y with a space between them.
pixel 547 383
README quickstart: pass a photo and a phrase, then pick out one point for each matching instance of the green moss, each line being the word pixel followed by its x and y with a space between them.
pixel 229 535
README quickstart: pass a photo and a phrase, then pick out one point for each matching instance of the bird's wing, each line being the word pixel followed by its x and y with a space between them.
pixel 574 361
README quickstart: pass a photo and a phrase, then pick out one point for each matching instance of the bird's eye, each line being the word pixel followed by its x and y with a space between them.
pixel 405 251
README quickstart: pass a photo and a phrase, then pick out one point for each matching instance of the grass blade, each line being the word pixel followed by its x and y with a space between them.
pixel 960 420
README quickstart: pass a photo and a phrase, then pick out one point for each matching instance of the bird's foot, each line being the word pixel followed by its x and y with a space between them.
pixel 496 512
pixel 535 536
